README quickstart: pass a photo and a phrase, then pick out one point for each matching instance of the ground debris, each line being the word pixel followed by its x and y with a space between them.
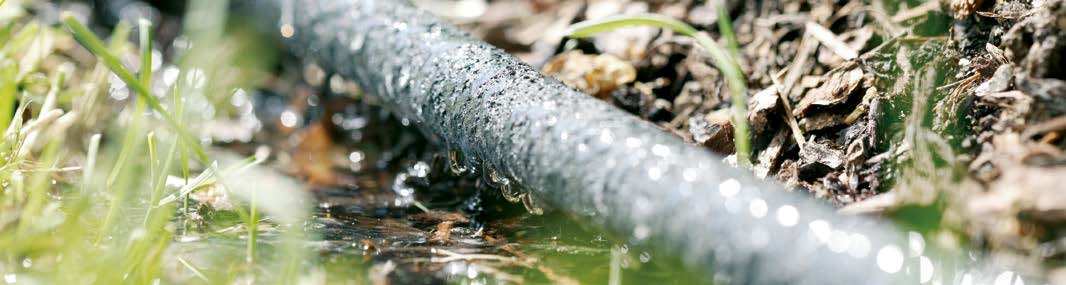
pixel 435 217
pixel 714 130
pixel 760 107
pixel 1011 199
pixel 964 8
pixel 313 156
pixel 768 159
pixel 593 74
pixel 836 89
pixel 818 159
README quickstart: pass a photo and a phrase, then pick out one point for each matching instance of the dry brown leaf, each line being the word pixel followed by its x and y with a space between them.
pixel 312 156
pixel 596 75
pixel 836 89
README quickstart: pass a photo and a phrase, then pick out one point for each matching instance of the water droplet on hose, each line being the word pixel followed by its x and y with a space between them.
pixel 357 43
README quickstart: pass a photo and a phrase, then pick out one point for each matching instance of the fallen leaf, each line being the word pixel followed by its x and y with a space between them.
pixel 596 75
pixel 836 89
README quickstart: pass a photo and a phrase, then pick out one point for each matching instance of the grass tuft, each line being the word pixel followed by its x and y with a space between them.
pixel 93 43
pixel 89 190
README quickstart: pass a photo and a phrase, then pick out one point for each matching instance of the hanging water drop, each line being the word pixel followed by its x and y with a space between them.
pixel 493 177
pixel 530 204
pixel 455 162
pixel 510 193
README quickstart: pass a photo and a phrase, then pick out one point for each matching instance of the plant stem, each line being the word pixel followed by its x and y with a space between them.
pixel 725 61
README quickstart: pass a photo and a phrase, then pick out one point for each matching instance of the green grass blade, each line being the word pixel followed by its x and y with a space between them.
pixel 725 61
pixel 91 42
pixel 8 90
pixel 145 28
pixel 90 160
pixel 725 27
pixel 737 86
pixel 593 27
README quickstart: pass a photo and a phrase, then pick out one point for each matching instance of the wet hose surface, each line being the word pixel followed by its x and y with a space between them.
pixel 573 153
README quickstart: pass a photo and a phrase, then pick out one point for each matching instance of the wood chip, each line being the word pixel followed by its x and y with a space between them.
pixel 837 88
pixel 818 159
pixel 714 131
pixel 768 158
pixel 761 106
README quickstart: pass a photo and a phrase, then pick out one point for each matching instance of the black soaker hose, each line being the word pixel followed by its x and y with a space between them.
pixel 582 156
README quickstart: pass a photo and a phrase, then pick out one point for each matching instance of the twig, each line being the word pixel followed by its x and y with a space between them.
pixel 830 40
pixel 877 10
pixel 1054 124
pixel 921 10
pixel 795 70
pixel 797 133
pixel 453 256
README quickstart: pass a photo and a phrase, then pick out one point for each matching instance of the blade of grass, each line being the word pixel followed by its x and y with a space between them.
pixel 145 32
pixel 253 229
pixel 738 87
pixel 725 28
pixel 8 88
pixel 133 131
pixel 90 161
pixel 20 39
pixel 723 59
pixel 39 188
pixel 152 172
pixel 193 269
pixel 132 137
pixel 91 42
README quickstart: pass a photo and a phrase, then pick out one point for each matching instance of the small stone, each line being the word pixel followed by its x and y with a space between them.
pixel 999 82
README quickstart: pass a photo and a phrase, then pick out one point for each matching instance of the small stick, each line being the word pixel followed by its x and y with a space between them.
pixel 916 12
pixel 830 40
pixel 797 133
